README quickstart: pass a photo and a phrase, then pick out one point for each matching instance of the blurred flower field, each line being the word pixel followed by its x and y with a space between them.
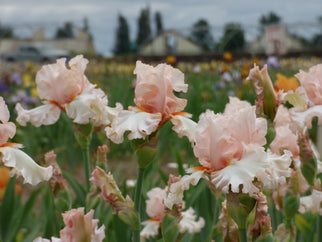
pixel 145 162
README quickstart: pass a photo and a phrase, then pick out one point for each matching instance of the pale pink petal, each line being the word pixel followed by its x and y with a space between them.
pixel 247 128
pixel 4 112
pixel 57 83
pixel 81 227
pixel 155 205
pixel 312 83
pixel 7 130
pixel 25 165
pixel 215 146
pixel 184 126
pixel 155 86
pixel 220 138
pixel 46 114
pixel 150 229
pixel 140 124
pixel 189 222
pixel 285 139
pixel 241 172
pixel 235 105
pixel 282 116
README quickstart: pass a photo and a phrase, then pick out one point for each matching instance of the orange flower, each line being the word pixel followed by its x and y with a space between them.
pixel 4 180
pixel 286 84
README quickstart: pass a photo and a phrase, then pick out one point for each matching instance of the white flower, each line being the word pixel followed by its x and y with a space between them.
pixel 311 203
pixel 188 222
pixel 150 229
pixel 176 189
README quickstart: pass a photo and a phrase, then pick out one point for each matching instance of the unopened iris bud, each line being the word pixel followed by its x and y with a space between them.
pixel 264 89
pixel 123 207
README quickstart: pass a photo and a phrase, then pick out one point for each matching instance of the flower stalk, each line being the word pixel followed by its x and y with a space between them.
pixel 83 135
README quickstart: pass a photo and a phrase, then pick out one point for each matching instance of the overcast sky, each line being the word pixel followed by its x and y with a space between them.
pixel 28 15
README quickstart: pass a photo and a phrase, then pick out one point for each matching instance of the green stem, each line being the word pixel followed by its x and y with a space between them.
pixel 242 235
pixel 319 224
pixel 137 201
pixel 87 168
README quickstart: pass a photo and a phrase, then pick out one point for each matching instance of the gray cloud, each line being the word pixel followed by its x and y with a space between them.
pixel 177 14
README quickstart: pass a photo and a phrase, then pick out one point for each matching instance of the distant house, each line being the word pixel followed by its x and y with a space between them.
pixel 170 43
pixel 275 40
pixel 82 43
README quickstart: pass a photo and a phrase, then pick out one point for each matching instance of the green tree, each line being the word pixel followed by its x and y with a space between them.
pixel 122 40
pixel 158 22
pixel 6 31
pixel 270 18
pixel 66 31
pixel 233 38
pixel 201 35
pixel 144 27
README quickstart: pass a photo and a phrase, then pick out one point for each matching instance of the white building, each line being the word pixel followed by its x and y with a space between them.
pixel 170 43
pixel 275 41
pixel 82 43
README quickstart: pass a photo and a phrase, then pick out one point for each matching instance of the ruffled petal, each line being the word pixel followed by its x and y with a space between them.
pixel 184 126
pixel 151 229
pixel 7 130
pixel 91 105
pixel 304 119
pixel 46 114
pixel 155 86
pixel 176 189
pixel 279 169
pixel 81 227
pixel 4 112
pixel 311 203
pixel 140 124
pixel 25 165
pixel 188 222
pixel 57 83
pixel 154 205
pixel 285 139
pixel 241 172
pixel 312 83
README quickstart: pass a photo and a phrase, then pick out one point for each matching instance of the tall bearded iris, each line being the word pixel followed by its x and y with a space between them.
pixel 12 157
pixel 229 146
pixel 66 89
pixel 154 99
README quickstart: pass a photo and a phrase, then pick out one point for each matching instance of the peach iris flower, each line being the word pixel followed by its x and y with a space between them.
pixel 78 227
pixel 312 83
pixel 12 157
pixel 156 209
pixel 229 146
pixel 66 89
pixel 155 102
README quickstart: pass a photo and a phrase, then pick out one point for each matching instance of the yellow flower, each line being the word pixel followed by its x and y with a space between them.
pixel 27 80
pixel 286 84
pixel 34 92
pixel 227 56
pixel 171 60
